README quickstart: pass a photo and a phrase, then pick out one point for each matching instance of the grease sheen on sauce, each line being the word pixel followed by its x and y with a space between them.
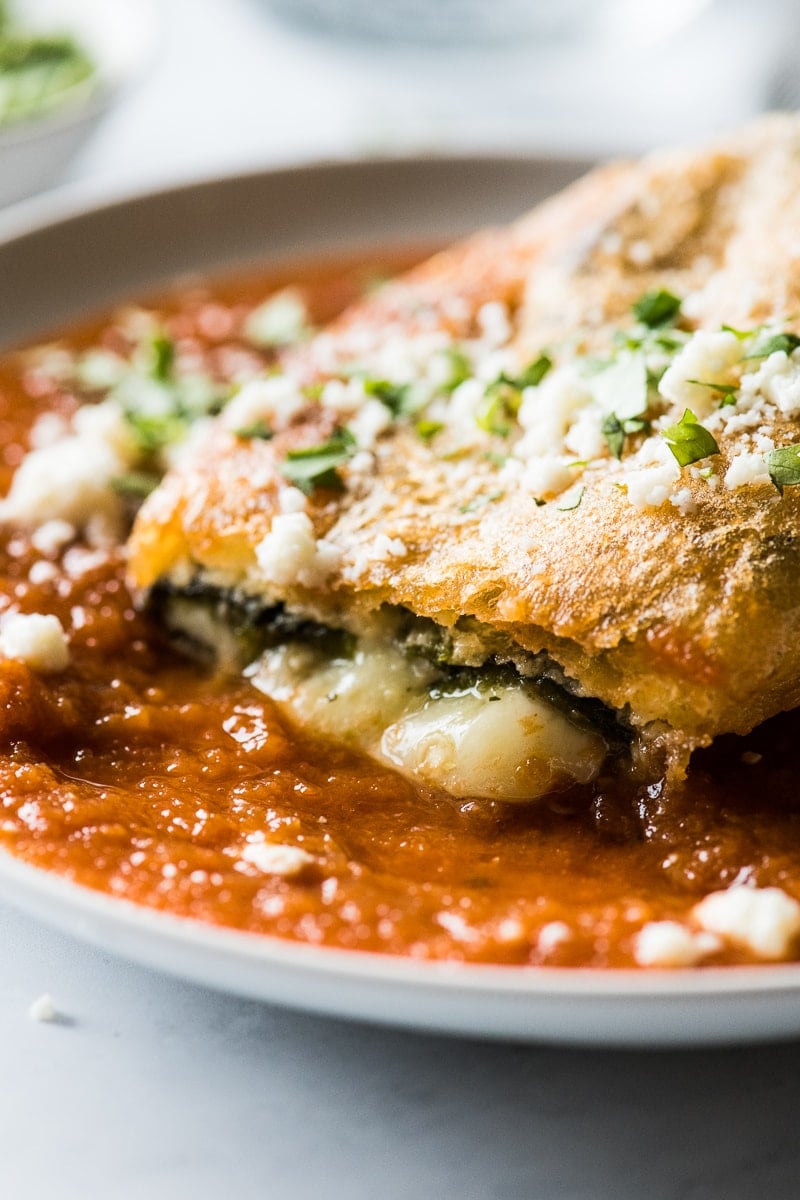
pixel 141 774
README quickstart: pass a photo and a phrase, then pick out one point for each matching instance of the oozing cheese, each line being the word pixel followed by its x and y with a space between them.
pixel 500 742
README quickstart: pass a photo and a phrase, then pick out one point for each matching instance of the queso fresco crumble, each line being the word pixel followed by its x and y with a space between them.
pixel 116 413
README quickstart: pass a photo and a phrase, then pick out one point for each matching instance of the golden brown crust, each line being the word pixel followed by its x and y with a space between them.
pixel 686 617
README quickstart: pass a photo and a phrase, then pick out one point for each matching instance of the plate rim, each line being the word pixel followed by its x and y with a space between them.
pixel 575 982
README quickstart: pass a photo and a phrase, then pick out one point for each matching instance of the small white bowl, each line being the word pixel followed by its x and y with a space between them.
pixel 120 36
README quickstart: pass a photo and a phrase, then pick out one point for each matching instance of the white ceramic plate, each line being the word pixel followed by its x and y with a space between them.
pixel 56 266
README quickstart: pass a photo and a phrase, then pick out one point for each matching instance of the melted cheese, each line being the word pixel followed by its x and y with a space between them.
pixel 500 742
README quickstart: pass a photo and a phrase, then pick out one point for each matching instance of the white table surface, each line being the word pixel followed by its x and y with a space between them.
pixel 148 1087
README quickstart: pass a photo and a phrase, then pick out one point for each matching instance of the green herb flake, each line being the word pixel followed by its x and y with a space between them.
pixel 479 502
pixel 499 407
pixel 689 441
pixel 395 396
pixel 614 434
pixel 460 368
pixel 788 342
pixel 162 354
pixel 784 467
pixel 258 430
pixel 726 390
pixel 428 429
pixel 534 373
pixel 571 499
pixel 316 466
pixel 615 431
pixel 657 308
pixel 741 334
pixel 136 484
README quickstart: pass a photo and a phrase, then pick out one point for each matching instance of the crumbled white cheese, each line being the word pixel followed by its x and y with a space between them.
pixel 42 571
pixel 106 425
pixel 369 423
pixel 640 253
pixel 361 463
pixel 182 450
pixel 279 321
pixel 50 537
pixel 547 412
pixel 494 323
pixel 37 639
pixel 275 859
pixel 552 935
pixel 384 547
pixel 708 357
pixel 43 1009
pixel 764 920
pixel 343 396
pixel 671 944
pixel 684 501
pixel 275 400
pixel 650 486
pixel 291 500
pixel 71 480
pixel 49 427
pixel 746 468
pixel 290 553
pixel 778 379
pixel 546 475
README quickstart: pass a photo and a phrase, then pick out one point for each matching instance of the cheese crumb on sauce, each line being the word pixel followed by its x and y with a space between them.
pixel 273 859
pixel 71 480
pixel 765 921
pixel 672 944
pixel 37 639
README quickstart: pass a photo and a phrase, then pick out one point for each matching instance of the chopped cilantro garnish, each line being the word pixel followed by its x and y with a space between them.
pixel 614 433
pixel 428 429
pixel 726 390
pixel 689 441
pixel 460 368
pixel 394 395
pixel 778 341
pixel 257 430
pixel 136 484
pixel 534 373
pixel 657 308
pixel 316 466
pixel 571 499
pixel 499 407
pixel 741 334
pixel 478 502
pixel 784 467
pixel 162 350
pixel 153 432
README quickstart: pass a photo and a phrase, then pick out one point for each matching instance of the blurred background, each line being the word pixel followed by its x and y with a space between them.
pixel 194 87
